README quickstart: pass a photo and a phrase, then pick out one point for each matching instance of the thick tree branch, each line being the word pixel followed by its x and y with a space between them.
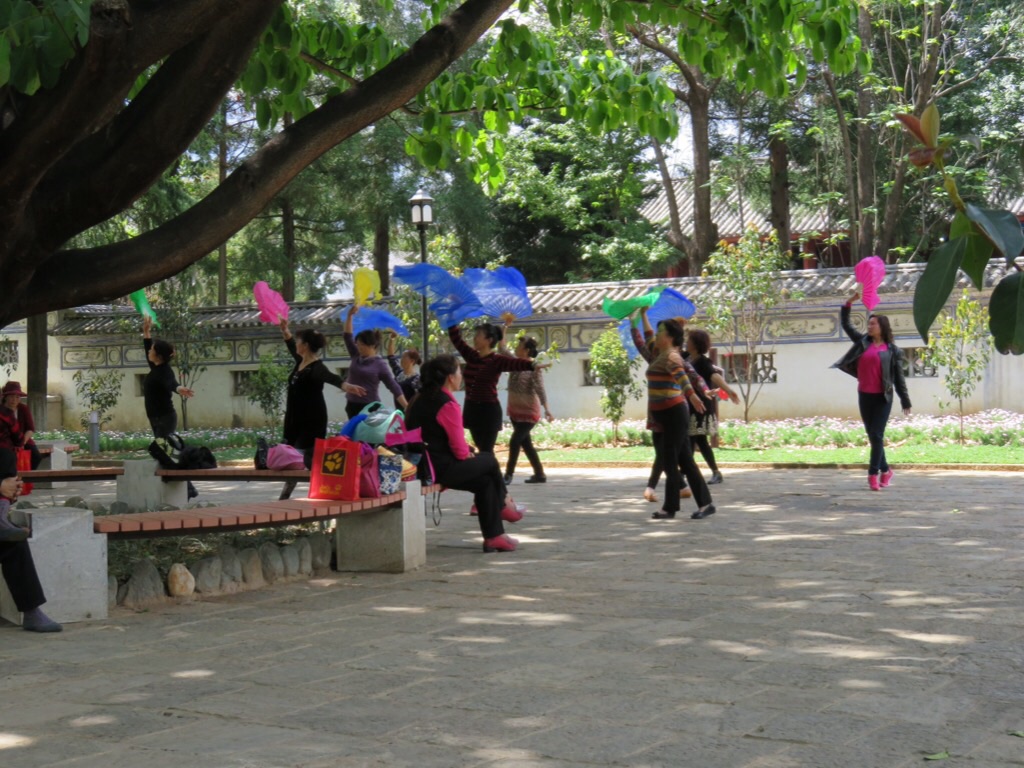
pixel 77 277
pixel 111 168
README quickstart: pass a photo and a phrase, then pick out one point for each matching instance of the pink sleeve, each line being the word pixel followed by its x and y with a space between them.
pixel 450 419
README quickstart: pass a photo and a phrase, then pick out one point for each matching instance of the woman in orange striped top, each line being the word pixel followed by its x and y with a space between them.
pixel 668 389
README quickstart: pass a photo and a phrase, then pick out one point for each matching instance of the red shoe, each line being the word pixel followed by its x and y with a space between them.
pixel 873 482
pixel 885 479
pixel 503 543
pixel 511 513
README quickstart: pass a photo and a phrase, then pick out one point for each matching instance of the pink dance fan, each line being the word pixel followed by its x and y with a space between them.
pixel 502 292
pixel 273 308
pixel 870 272
pixel 375 319
pixel 671 304
pixel 450 299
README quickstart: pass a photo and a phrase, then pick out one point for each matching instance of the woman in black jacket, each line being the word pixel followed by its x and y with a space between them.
pixel 877 364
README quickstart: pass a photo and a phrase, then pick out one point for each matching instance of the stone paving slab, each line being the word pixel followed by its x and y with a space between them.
pixel 810 622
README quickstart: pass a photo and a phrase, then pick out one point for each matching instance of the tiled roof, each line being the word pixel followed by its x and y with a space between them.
pixel 734 214
pixel 581 299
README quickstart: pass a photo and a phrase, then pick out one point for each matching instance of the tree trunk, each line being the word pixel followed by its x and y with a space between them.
pixel 675 235
pixel 852 200
pixel 38 358
pixel 867 140
pixel 222 173
pixel 382 252
pixel 288 243
pixel 705 231
pixel 76 155
pixel 778 165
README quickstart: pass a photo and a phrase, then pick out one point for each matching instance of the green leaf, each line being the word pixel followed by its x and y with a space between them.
pixel 943 755
pixel 936 284
pixel 432 153
pixel 1006 314
pixel 5 61
pixel 1018 734
pixel 977 252
pixel 1001 227
pixel 960 225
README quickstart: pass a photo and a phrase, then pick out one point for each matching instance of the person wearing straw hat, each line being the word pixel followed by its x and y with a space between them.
pixel 11 397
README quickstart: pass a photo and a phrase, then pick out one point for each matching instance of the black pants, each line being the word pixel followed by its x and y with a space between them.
pixel 874 412
pixel 36 457
pixel 483 420
pixel 656 466
pixel 521 439
pixel 481 476
pixel 703 444
pixel 165 424
pixel 20 574
pixel 353 409
pixel 674 452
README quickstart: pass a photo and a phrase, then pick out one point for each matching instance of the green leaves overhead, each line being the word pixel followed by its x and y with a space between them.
pixel 38 39
pixel 1006 314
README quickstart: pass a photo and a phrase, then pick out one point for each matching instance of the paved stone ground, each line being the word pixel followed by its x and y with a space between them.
pixel 809 623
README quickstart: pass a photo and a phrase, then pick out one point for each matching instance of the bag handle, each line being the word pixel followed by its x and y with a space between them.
pixel 369 408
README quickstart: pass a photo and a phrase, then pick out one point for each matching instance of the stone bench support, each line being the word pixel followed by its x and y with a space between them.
pixel 140 488
pixel 57 458
pixel 71 562
pixel 391 540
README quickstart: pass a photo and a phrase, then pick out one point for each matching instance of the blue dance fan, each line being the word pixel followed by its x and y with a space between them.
pixel 451 299
pixel 502 292
pixel 368 318
pixel 671 304
pixel 625 330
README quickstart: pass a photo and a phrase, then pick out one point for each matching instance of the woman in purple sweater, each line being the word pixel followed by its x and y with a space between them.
pixel 367 369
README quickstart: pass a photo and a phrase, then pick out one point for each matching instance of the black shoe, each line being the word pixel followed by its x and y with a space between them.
pixel 663 515
pixel 191 491
pixel 700 514
pixel 536 479
pixel 262 451
pixel 508 479
pixel 716 478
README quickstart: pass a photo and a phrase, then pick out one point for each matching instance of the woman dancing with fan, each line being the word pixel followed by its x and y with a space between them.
pixel 484 366
pixel 877 364
pixel 526 397
pixel 367 369
pixel 704 426
pixel 404 367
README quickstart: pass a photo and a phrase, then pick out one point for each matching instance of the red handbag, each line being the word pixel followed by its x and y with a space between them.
pixel 25 465
pixel 336 469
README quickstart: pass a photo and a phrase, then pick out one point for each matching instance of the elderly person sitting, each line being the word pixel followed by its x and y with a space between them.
pixel 11 398
pixel 15 557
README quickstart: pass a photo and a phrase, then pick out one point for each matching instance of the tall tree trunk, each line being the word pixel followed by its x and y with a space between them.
pixel 778 182
pixel 864 226
pixel 852 199
pixel 288 242
pixel 222 173
pixel 675 235
pixel 705 231
pixel 38 358
pixel 382 252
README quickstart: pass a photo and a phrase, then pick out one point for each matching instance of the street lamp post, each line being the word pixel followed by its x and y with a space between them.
pixel 423 215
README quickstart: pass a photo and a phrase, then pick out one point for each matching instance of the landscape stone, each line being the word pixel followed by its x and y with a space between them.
pixel 180 581
pixel 320 545
pixel 207 574
pixel 273 565
pixel 120 508
pixel 305 556
pixel 96 508
pixel 252 568
pixel 76 501
pixel 290 559
pixel 145 586
pixel 231 566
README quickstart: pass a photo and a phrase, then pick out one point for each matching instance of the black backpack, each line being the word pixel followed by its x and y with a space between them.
pixel 196 457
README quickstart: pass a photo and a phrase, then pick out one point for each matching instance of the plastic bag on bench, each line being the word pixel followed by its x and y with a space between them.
pixel 284 456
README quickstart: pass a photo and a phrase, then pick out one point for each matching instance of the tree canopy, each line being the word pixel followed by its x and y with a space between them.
pixel 97 99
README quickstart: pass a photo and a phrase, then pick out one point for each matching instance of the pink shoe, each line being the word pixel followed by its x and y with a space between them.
pixel 472 511
pixel 511 513
pixel 885 479
pixel 873 482
pixel 503 543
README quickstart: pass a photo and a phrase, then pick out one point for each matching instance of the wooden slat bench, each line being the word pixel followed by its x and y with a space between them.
pixel 77 473
pixel 236 517
pixel 46 450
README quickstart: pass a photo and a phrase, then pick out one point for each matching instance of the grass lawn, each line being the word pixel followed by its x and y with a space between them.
pixel 908 454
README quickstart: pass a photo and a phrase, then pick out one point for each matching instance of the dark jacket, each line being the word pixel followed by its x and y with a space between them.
pixel 891 358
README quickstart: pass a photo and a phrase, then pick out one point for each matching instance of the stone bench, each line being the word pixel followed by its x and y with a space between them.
pixel 55 455
pixel 145 485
